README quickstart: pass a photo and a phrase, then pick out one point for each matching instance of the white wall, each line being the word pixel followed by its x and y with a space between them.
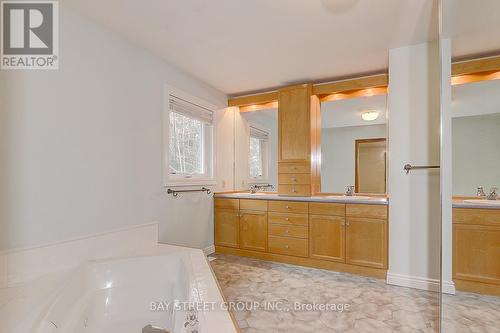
pixel 476 153
pixel 338 154
pixel 414 137
pixel 81 147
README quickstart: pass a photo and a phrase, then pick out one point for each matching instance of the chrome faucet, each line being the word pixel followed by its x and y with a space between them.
pixel 493 194
pixel 257 187
pixel 480 192
pixel 349 190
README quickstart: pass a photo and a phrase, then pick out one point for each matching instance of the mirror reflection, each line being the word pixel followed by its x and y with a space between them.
pixel 476 137
pixel 256 149
pixel 354 145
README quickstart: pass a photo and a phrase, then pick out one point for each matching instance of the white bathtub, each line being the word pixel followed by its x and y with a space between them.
pixel 119 295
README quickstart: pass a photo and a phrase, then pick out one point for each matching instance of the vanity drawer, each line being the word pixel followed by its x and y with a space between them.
pixel 476 216
pixel 370 211
pixel 294 167
pixel 288 207
pixel 225 203
pixel 327 208
pixel 289 246
pixel 294 178
pixel 296 231
pixel 253 204
pixel 294 190
pixel 284 218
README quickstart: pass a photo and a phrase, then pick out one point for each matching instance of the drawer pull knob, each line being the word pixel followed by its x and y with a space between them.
pixel 294 179
pixel 287 207
pixel 294 190
pixel 286 246
pixel 287 231
pixel 287 219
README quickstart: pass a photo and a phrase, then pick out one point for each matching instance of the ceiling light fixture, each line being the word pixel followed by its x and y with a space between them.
pixel 370 115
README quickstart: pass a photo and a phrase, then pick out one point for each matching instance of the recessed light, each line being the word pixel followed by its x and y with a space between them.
pixel 370 115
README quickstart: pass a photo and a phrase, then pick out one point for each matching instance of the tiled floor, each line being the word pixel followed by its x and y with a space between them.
pixel 374 306
pixel 468 312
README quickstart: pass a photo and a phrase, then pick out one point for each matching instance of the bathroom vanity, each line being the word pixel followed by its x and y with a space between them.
pixel 476 247
pixel 310 141
pixel 330 232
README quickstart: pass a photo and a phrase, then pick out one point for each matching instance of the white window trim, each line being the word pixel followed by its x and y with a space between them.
pixel 266 156
pixel 178 180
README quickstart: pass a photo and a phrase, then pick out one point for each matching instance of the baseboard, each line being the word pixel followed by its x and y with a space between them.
pixel 422 283
pixel 209 250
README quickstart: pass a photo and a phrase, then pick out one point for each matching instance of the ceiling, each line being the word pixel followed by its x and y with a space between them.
pixel 241 46
pixel 473 26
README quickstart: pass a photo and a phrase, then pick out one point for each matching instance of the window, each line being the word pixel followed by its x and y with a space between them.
pixel 258 153
pixel 190 132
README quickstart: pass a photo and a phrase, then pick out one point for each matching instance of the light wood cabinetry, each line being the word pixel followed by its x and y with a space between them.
pixel 327 237
pixel 297 136
pixel 253 230
pixel 350 238
pixel 227 227
pixel 288 246
pixel 366 242
pixel 294 123
pixel 366 235
pixel 289 207
pixel 476 250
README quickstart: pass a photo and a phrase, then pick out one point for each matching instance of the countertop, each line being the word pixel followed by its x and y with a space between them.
pixel 361 199
pixel 459 203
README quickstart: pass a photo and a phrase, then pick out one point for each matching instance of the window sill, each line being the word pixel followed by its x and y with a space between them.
pixel 190 182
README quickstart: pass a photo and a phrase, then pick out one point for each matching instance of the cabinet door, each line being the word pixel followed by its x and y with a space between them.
pixel 253 230
pixel 295 123
pixel 366 242
pixel 327 237
pixel 476 253
pixel 226 227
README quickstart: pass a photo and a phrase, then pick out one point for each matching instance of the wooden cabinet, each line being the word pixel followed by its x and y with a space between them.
pixel 351 238
pixel 476 250
pixel 227 227
pixel 288 246
pixel 294 131
pixel 241 223
pixel 253 230
pixel 297 135
pixel 366 242
pixel 327 237
pixel 366 235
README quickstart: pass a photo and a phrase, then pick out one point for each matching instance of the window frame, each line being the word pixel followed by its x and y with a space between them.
pixel 208 141
pixel 265 155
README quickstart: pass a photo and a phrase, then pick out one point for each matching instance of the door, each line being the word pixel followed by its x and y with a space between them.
pixel 366 242
pixel 226 227
pixel 253 230
pixel 327 237
pixel 370 174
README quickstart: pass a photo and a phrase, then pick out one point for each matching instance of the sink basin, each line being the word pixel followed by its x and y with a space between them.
pixel 483 202
pixel 345 197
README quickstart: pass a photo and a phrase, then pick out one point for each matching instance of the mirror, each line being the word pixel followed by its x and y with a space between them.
pixel 475 110
pixel 256 148
pixel 354 144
